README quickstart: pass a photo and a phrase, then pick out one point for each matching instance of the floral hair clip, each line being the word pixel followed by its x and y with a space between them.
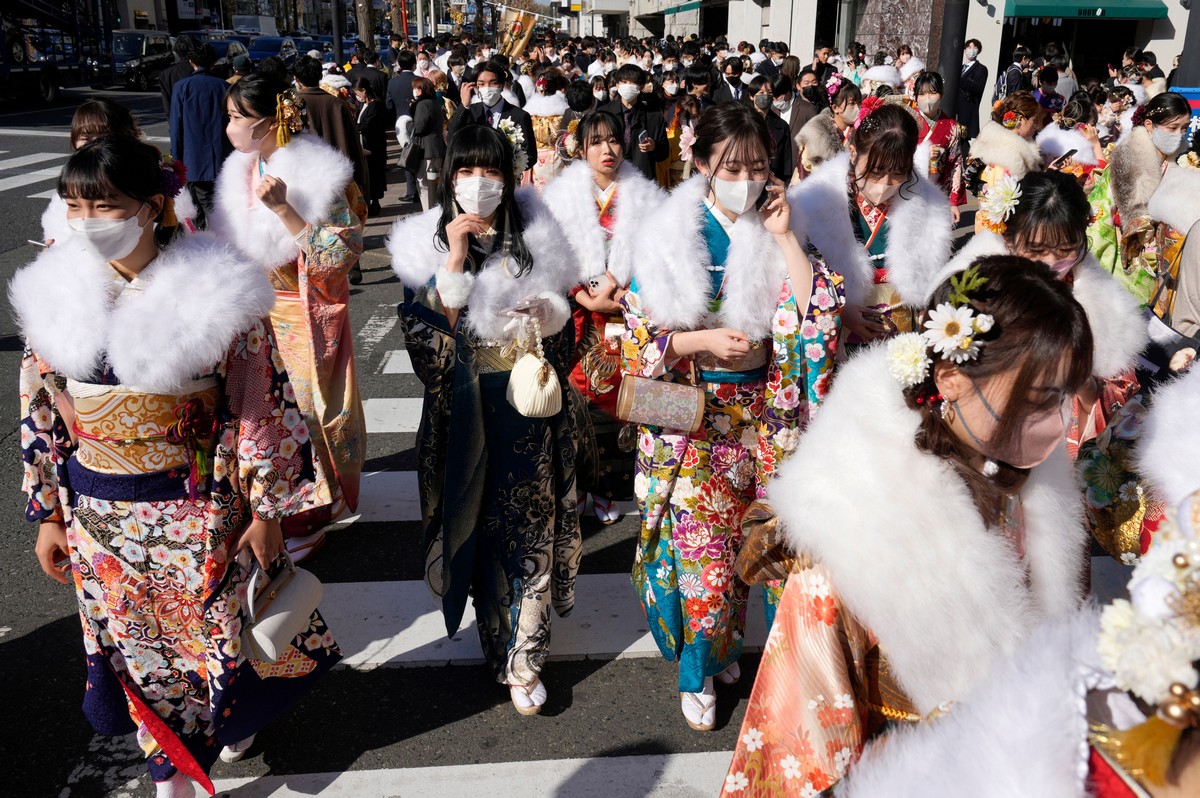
pixel 869 106
pixel 1189 160
pixel 834 85
pixel 174 176
pixel 517 139
pixel 568 141
pixel 1011 120
pixel 998 202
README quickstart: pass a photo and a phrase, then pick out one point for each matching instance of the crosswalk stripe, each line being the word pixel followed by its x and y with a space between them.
pixel 65 134
pixel 397 361
pixel 392 415
pixel 653 775
pixel 29 160
pixel 382 320
pixel 386 496
pixel 44 195
pixel 37 176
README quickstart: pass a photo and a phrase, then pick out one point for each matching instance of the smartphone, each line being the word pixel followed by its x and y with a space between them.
pixel 1062 159
pixel 643 137
pixel 37 243
pixel 763 198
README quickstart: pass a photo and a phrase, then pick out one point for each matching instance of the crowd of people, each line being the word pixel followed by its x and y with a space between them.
pixel 710 277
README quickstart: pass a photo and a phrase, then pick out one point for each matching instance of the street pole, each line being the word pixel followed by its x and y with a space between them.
pixel 954 32
pixel 1188 75
pixel 335 8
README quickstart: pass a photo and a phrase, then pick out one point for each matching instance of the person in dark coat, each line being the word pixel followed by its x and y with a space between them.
pixel 372 130
pixel 428 120
pixel 972 83
pixel 399 98
pixel 198 121
pixel 330 117
pixel 645 133
pixel 360 68
pixel 185 46
pixel 490 107
pixel 729 86
pixel 782 160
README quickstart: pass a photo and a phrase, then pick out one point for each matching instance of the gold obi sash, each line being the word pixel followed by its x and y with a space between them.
pixel 123 431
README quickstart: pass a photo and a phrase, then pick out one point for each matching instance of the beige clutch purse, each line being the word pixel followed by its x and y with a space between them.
pixel 666 405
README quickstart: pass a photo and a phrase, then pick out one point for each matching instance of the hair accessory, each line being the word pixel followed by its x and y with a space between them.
pixel 687 137
pixel 953 327
pixel 908 360
pixel 1011 120
pixel 869 106
pixel 998 202
pixel 1189 160
pixel 289 113
pixel 174 175
pixel 834 85
pixel 517 139
pixel 568 141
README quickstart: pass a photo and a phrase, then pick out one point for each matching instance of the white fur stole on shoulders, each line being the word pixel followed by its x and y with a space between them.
pixel 1054 142
pixel 1176 201
pixel 918 234
pixel 316 176
pixel 997 145
pixel 417 258
pixel 1168 452
pixel 173 324
pixel 905 546
pixel 570 199
pixel 54 220
pixel 672 279
pixel 545 105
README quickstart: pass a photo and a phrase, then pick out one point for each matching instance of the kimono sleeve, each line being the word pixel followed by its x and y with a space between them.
pixel 644 344
pixel 333 246
pixel 45 440
pixel 274 453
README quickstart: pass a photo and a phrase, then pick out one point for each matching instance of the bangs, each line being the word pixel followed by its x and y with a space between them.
pixel 476 145
pixel 743 147
pixel 86 178
pixel 1049 234
pixel 890 155
pixel 599 127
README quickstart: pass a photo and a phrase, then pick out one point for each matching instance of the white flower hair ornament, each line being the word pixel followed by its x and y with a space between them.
pixel 516 138
pixel 998 202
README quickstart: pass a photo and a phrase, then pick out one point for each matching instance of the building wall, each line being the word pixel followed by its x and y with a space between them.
pixel 886 24
pixel 1164 37
pixel 794 22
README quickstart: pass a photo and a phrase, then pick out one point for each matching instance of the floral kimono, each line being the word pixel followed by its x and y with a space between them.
pixel 156 420
pixel 546 115
pixel 901 610
pixel 692 490
pixel 940 146
pixel 497 488
pixel 311 315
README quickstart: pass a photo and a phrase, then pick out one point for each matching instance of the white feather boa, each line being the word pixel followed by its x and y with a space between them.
pixel 918 235
pixel 173 324
pixel 996 145
pixel 905 546
pixel 1054 142
pixel 570 199
pixel 1176 201
pixel 1168 452
pixel 316 176
pixel 673 283
pixel 545 105
pixel 417 258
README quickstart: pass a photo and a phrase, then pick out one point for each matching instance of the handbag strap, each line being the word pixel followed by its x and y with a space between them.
pixel 1170 279
pixel 271 589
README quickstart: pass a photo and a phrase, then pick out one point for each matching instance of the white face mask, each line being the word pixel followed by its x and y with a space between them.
pixel 687 62
pixel 850 114
pixel 609 67
pixel 777 61
pixel 422 67
pixel 109 239
pixel 1169 144
pixel 972 53
pixel 878 193
pixel 478 195
pixel 601 95
pixel 490 95
pixel 628 91
pixel 782 105
pixel 929 106
pixel 670 89
pixel 738 196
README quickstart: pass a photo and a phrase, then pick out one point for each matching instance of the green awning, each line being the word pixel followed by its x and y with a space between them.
pixel 1082 9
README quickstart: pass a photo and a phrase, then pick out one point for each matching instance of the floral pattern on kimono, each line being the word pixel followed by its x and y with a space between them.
pixel 161 607
pixel 947 170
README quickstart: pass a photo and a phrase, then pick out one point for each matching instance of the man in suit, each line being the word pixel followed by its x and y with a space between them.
pixel 972 83
pixel 198 122
pixel 730 87
pixel 360 67
pixel 645 134
pixel 482 104
pixel 330 117
pixel 399 102
pixel 185 46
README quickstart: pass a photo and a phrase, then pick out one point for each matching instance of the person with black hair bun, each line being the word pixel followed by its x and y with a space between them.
pixel 289 202
pixel 158 425
pixel 940 147
pixel 485 283
pixel 876 221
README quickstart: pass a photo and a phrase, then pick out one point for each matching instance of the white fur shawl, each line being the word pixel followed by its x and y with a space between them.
pixel 672 280
pixel 173 324
pixel 884 73
pixel 417 258
pixel 904 545
pixel 918 233
pixel 545 105
pixel 1054 142
pixel 821 138
pixel 570 199
pixel 1136 168
pixel 1176 201
pixel 54 220
pixel 316 176
pixel 1024 732
pixel 1118 325
pixel 996 145
pixel 1168 452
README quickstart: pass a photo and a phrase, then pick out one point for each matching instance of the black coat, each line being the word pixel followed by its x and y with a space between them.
pixel 399 94
pixel 167 80
pixel 722 92
pixel 782 162
pixel 971 87
pixel 377 79
pixel 480 114
pixel 642 119
pixel 372 129
pixel 428 119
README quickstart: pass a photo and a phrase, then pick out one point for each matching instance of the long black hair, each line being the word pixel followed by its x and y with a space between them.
pixel 118 164
pixel 480 145
pixel 1053 212
pixel 256 95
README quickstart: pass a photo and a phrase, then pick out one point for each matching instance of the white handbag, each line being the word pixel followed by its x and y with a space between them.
pixel 278 610
pixel 533 387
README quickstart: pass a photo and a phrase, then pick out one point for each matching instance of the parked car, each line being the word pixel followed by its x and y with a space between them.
pixel 265 46
pixel 139 55
pixel 227 50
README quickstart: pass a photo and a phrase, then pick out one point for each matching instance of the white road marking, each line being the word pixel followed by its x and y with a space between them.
pixel 392 415
pixel 29 160
pixel 397 361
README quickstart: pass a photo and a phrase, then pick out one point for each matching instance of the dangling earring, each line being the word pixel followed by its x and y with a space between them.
pixel 947 410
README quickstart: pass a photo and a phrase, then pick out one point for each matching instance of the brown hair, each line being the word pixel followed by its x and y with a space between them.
pixel 1020 103
pixel 888 137
pixel 424 85
pixel 102 117
pixel 1038 327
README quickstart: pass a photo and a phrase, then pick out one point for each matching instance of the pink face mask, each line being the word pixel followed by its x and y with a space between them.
pixel 1062 267
pixel 1039 436
pixel 242 136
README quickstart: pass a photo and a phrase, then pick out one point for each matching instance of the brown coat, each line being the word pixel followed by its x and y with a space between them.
pixel 332 119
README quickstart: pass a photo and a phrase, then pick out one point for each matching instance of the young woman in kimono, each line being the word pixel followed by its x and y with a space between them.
pixel 497 488
pixel 939 147
pixel 959 526
pixel 291 205
pixel 161 439
pixel 730 301
pixel 600 202
pixel 546 107
pixel 876 221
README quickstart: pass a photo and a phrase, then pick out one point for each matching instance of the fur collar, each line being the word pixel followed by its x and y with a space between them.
pixel 1136 172
pixel 1054 142
pixel 417 257
pixel 821 137
pixel 316 176
pixel 570 199
pixel 884 73
pixel 996 145
pixel 672 280
pixel 546 105
pixel 919 231
pixel 193 300
pixel 1166 451
pixel 911 558
pixel 1118 326
pixel 1176 201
